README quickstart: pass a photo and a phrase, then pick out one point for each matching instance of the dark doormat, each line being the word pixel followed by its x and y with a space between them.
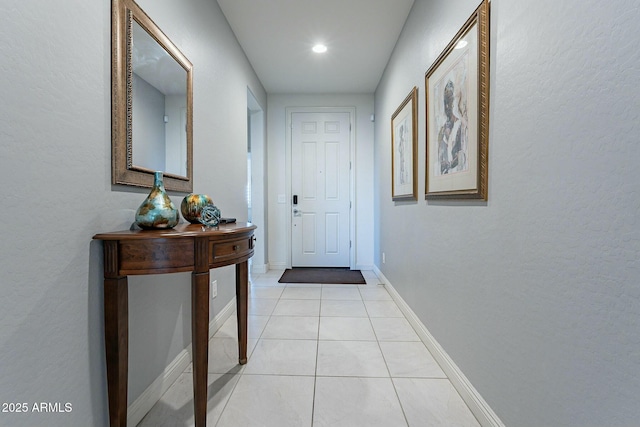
pixel 328 275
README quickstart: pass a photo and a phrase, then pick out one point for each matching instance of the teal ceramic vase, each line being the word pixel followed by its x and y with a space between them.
pixel 191 206
pixel 157 210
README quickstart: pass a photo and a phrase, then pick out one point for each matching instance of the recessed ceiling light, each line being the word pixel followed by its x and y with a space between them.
pixel 319 48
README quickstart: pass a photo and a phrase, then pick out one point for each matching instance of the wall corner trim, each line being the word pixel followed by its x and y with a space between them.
pixel 259 269
pixel 478 406
pixel 143 404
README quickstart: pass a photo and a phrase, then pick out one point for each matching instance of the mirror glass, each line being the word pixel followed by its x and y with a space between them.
pixel 159 107
pixel 151 103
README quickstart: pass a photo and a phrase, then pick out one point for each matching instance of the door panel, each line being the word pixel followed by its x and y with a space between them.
pixel 332 175
pixel 309 161
pixel 332 233
pixel 320 177
pixel 309 234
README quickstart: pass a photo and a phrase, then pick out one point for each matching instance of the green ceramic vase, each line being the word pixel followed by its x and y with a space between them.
pixel 157 210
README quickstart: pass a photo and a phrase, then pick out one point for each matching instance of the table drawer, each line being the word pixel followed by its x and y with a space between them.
pixel 228 250
pixel 155 256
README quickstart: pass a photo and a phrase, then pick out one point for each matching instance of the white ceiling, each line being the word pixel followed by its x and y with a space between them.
pixel 277 36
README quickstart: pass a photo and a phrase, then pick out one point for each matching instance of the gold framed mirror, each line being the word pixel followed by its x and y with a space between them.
pixel 151 103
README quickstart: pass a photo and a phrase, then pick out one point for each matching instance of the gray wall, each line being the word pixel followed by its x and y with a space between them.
pixel 55 171
pixel 535 293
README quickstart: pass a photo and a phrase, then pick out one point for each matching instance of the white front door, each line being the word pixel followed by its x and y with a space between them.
pixel 320 157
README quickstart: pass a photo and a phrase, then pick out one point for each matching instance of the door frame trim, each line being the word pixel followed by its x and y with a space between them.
pixel 352 173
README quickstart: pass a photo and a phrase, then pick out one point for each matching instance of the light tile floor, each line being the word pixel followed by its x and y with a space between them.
pixel 319 355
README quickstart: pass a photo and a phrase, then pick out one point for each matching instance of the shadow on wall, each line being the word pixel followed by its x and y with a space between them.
pixel 95 336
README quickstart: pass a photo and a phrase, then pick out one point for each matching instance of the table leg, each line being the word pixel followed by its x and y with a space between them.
pixel 116 334
pixel 242 287
pixel 200 344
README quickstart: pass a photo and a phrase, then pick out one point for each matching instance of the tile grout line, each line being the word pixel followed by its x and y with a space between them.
pixel 315 377
pixel 241 372
pixel 386 364
pixel 271 316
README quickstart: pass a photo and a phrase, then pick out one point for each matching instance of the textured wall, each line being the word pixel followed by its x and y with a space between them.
pixel 534 294
pixel 55 171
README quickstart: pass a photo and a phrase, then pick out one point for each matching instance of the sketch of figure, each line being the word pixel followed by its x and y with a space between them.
pixel 451 115
pixel 401 137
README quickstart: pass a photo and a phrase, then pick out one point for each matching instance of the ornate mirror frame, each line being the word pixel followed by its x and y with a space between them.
pixel 123 171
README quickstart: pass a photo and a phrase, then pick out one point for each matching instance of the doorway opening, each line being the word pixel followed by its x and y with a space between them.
pixel 257 182
pixel 320 145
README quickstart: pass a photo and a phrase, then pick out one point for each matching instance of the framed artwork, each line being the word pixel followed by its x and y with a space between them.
pixel 404 149
pixel 457 112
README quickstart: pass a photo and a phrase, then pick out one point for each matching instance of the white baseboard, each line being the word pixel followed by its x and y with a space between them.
pixel 143 404
pixel 259 269
pixel 478 406
pixel 283 265
pixel 277 265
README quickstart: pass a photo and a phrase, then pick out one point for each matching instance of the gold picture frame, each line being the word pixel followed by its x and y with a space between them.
pixel 157 54
pixel 457 114
pixel 404 149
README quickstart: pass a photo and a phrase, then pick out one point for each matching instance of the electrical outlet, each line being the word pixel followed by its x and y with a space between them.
pixel 384 258
pixel 214 289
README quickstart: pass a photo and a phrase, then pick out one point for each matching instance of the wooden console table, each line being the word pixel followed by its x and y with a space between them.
pixel 187 247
